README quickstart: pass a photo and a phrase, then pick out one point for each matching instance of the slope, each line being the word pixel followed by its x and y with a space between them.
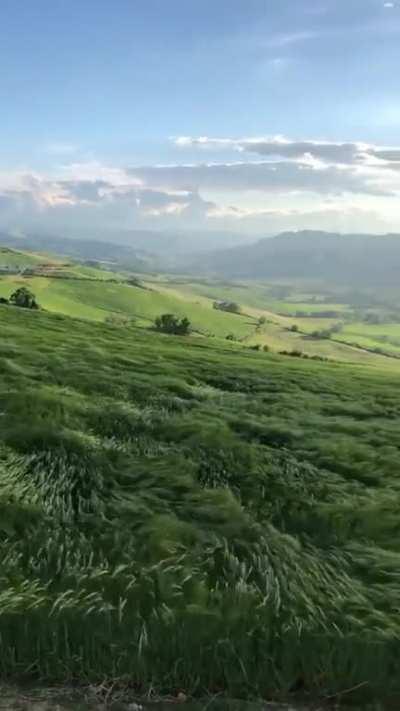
pixel 96 299
pixel 337 258
pixel 189 515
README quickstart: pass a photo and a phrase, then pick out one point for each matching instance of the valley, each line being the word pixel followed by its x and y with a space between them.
pixel 311 319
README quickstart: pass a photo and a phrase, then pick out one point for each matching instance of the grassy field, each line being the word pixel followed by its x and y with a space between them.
pixel 97 295
pixel 385 336
pixel 96 300
pixel 15 258
pixel 182 513
pixel 256 295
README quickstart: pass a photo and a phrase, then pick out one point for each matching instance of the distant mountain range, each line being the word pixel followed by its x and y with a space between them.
pixel 340 258
pixel 141 249
pixel 349 259
pixel 110 254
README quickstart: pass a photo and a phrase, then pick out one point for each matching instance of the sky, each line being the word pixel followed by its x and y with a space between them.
pixel 250 116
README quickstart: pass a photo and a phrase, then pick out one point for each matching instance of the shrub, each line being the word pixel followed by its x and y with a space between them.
pixel 294 353
pixel 24 298
pixel 327 332
pixel 230 306
pixel 168 323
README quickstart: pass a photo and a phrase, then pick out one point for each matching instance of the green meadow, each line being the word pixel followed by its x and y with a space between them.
pixel 85 292
pixel 97 299
pixel 184 513
pixel 16 258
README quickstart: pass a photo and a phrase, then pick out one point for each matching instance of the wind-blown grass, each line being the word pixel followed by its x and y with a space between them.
pixel 187 515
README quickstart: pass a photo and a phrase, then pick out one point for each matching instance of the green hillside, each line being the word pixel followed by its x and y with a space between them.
pixel 183 513
pixel 81 291
pixel 96 300
pixel 19 259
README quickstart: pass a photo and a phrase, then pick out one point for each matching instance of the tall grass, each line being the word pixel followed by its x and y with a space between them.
pixel 194 517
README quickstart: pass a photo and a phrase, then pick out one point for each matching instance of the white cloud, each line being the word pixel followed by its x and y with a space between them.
pixel 268 176
pixel 331 218
pixel 96 170
pixel 281 147
pixel 278 183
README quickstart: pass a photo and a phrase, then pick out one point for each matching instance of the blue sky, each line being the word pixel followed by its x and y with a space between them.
pixel 107 92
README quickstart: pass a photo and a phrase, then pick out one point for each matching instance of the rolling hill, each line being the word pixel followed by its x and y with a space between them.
pixel 82 291
pixel 343 259
pixel 110 255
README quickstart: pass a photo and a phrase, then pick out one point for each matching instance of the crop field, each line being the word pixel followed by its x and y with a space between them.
pixel 183 513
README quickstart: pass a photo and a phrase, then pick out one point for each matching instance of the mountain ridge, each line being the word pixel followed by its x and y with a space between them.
pixel 337 257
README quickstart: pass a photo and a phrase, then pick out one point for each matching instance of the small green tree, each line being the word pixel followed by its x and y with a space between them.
pixel 230 306
pixel 24 298
pixel 183 327
pixel 168 323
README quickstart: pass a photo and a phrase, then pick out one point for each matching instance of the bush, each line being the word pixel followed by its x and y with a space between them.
pixel 327 332
pixel 294 328
pixel 230 306
pixel 168 323
pixel 24 298
pixel 294 353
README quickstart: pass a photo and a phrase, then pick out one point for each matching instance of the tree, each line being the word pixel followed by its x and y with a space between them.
pixel 168 323
pixel 24 298
pixel 230 306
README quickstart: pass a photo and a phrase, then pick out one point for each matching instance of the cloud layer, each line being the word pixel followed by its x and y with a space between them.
pixel 256 185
